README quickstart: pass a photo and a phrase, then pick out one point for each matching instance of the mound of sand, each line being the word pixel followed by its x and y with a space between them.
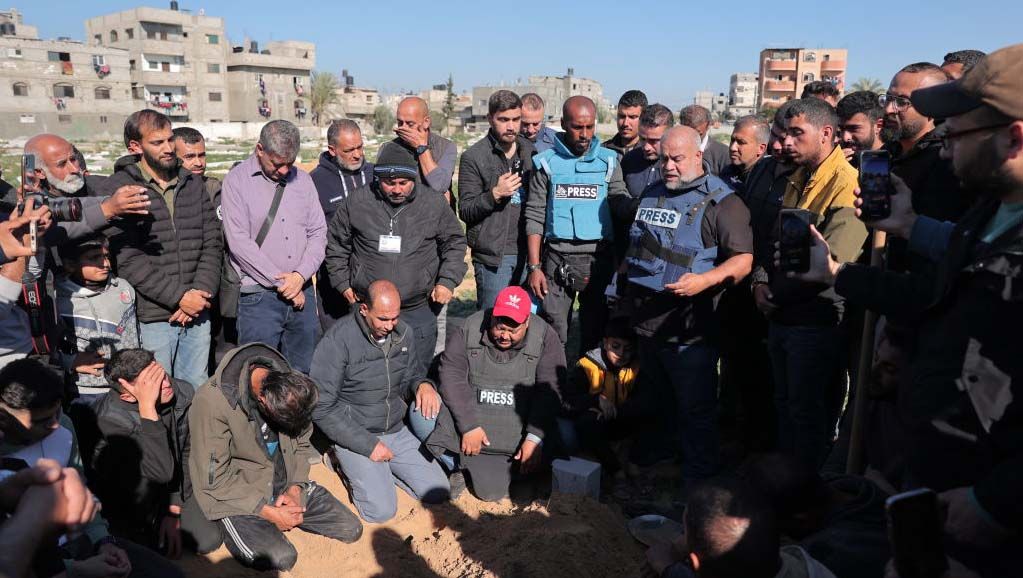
pixel 567 536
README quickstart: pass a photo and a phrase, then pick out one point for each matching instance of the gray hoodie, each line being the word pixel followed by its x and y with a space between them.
pixel 102 321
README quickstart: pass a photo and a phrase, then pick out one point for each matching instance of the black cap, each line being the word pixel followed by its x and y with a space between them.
pixel 394 160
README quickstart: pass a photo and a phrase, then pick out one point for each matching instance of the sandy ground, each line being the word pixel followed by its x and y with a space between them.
pixel 566 536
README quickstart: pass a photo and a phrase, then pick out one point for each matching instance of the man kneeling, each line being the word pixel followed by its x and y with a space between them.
pixel 366 366
pixel 249 463
pixel 500 377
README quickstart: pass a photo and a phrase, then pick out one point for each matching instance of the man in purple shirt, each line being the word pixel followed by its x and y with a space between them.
pixel 276 306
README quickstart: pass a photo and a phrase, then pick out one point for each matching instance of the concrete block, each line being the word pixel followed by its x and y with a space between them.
pixel 577 476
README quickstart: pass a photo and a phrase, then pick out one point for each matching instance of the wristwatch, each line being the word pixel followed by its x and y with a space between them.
pixel 531 268
pixel 421 149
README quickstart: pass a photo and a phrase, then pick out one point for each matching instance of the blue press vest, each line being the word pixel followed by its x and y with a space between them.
pixel 577 208
pixel 665 240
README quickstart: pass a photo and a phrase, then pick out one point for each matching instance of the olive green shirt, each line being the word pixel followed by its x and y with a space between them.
pixel 166 192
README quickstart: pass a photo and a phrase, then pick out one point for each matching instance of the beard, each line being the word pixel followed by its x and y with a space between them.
pixel 352 167
pixel 986 173
pixel 166 167
pixel 69 185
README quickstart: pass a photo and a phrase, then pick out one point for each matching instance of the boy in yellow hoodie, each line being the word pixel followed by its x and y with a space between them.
pixel 606 408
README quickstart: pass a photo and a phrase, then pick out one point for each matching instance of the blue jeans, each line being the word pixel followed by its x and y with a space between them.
pixel 182 351
pixel 490 280
pixel 807 363
pixel 372 483
pixel 691 373
pixel 422 428
pixel 265 317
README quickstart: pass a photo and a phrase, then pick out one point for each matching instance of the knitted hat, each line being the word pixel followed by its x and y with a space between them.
pixel 394 160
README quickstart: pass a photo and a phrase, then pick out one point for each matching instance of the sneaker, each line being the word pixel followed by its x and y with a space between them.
pixel 457 482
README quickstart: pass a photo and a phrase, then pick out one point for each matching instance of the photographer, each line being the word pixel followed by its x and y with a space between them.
pixel 959 404
pixel 15 336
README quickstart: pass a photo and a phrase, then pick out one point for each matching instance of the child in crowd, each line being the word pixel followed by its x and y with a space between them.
pixel 98 314
pixel 605 406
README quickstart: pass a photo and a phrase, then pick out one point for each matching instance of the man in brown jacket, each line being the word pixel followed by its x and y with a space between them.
pixel 249 462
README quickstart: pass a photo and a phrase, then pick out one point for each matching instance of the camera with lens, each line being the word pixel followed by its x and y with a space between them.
pixel 63 209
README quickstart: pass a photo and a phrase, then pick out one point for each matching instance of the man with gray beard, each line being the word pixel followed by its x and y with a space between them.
pixel 690 240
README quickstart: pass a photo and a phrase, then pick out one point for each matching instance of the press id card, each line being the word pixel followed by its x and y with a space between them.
pixel 390 244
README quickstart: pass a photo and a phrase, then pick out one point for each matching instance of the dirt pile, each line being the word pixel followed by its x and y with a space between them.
pixel 567 536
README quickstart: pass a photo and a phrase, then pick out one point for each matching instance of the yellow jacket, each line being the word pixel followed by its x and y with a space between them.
pixel 614 385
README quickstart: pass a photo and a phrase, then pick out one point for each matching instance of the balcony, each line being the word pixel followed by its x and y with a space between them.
pixel 832 65
pixel 780 85
pixel 169 47
pixel 781 65
pixel 170 108
pixel 269 61
pixel 160 78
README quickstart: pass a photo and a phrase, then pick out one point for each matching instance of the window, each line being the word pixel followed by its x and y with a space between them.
pixel 131 65
pixel 129 33
pixel 808 77
pixel 213 68
pixel 152 65
pixel 98 38
pixel 810 57
pixel 165 66
pixel 102 119
pixel 13 53
pixel 113 36
pixel 827 57
pixel 58 56
pixel 64 118
pixel 215 97
pixel 212 39
pixel 98 60
pixel 151 34
pixel 63 91
pixel 20 89
pixel 102 93
pixel 27 119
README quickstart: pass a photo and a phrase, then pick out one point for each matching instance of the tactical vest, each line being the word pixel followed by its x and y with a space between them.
pixel 503 390
pixel 577 208
pixel 665 240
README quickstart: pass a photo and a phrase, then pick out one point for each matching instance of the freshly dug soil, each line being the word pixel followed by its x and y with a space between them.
pixel 566 536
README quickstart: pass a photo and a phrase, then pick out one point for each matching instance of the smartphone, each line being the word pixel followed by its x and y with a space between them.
pixel 914 530
pixel 875 185
pixel 794 240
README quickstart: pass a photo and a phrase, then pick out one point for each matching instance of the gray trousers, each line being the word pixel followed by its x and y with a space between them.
pixel 372 483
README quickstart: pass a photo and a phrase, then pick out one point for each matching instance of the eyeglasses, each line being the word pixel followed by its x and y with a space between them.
pixel 950 136
pixel 900 103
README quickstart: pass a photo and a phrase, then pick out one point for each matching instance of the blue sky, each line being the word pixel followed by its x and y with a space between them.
pixel 669 49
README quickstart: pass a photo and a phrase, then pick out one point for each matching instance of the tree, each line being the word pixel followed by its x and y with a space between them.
pixel 322 94
pixel 767 113
pixel 869 85
pixel 449 102
pixel 383 120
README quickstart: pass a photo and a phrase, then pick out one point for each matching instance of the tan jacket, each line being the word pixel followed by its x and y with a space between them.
pixel 231 471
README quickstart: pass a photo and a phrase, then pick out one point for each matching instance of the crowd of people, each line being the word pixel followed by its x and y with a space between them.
pixel 181 350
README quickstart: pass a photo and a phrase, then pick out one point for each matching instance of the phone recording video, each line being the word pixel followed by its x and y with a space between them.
pixel 875 185
pixel 914 530
pixel 794 240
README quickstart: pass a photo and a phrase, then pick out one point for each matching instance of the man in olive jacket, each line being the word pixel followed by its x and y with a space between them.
pixel 171 256
pixel 249 462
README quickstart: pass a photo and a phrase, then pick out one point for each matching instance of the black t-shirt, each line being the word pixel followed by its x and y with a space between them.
pixel 688 321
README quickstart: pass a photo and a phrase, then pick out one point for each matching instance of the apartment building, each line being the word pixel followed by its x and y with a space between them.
pixel 272 83
pixel 177 59
pixel 59 86
pixel 554 90
pixel 785 71
pixel 742 94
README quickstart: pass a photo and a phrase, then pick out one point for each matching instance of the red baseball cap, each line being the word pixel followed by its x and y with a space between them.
pixel 513 303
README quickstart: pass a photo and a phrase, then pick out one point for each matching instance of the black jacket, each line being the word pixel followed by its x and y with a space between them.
pixel 936 191
pixel 962 408
pixel 141 466
pixel 716 155
pixel 432 244
pixel 487 221
pixel 160 258
pixel 364 385
pixel 334 183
